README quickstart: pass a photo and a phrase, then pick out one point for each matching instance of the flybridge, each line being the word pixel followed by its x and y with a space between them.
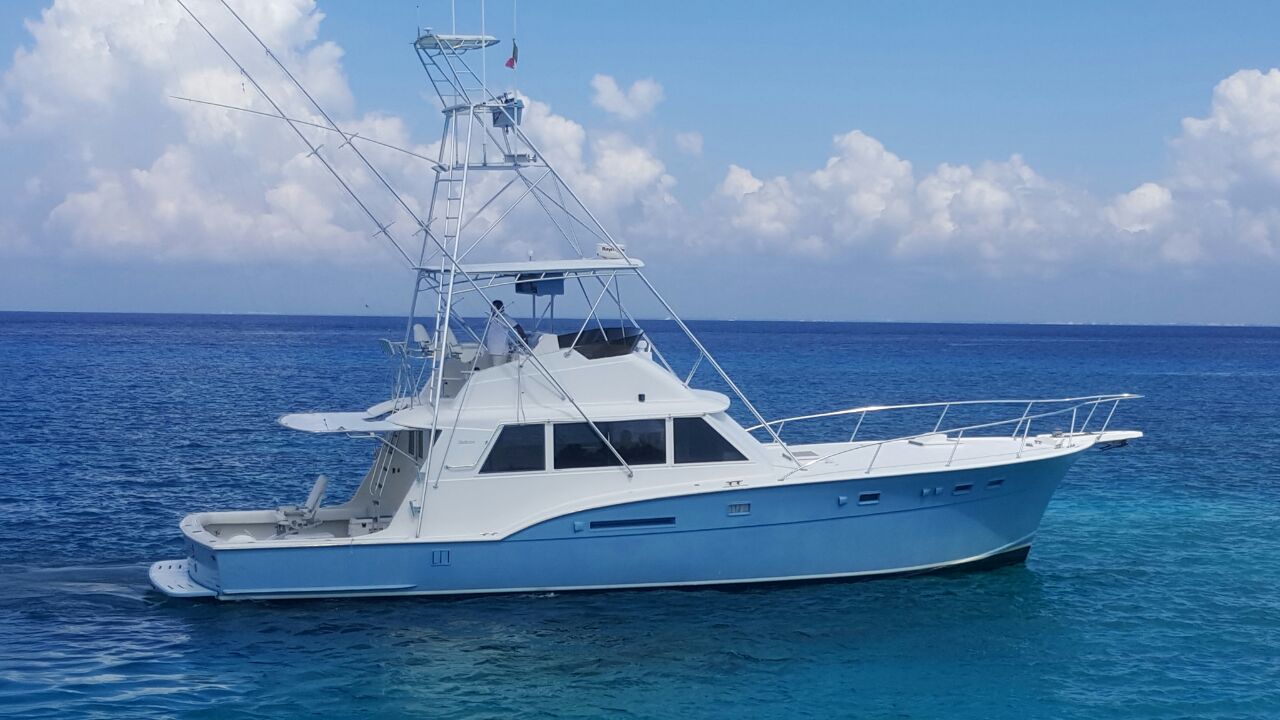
pixel 482 131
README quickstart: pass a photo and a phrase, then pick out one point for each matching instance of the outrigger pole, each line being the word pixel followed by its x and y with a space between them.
pixel 315 150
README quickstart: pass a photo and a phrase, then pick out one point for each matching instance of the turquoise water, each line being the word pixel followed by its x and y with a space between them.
pixel 1153 590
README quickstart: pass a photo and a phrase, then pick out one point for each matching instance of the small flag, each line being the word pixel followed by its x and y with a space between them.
pixel 515 56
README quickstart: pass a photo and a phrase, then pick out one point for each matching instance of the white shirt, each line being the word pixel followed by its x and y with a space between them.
pixel 495 337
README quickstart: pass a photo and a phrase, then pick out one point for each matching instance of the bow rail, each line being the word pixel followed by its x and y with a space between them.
pixel 1021 424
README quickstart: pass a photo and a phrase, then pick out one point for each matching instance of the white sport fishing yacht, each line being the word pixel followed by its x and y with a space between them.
pixel 512 460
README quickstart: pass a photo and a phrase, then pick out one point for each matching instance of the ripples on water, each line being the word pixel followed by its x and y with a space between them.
pixel 1152 591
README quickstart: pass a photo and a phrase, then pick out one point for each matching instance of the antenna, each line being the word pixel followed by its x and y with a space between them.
pixel 515 67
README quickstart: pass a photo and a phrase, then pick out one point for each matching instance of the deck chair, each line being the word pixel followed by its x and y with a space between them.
pixel 292 518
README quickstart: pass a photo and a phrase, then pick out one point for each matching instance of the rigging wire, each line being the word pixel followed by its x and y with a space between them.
pixel 353 136
pixel 315 151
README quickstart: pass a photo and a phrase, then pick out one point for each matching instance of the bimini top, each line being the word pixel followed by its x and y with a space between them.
pixel 432 41
pixel 545 267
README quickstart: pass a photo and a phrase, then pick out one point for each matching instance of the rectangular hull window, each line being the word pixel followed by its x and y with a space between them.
pixel 632 523
pixel 519 448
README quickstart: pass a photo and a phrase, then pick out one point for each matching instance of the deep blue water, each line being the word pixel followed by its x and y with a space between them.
pixel 1153 590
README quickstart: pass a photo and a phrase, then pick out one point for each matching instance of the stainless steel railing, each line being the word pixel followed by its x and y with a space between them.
pixel 1021 424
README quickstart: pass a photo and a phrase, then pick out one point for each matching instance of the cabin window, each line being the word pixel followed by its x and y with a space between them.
pixel 519 448
pixel 697 442
pixel 416 449
pixel 414 442
pixel 639 442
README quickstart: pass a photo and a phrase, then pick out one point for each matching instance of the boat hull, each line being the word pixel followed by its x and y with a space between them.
pixel 858 527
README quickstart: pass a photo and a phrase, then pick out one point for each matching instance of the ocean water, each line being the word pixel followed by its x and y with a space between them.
pixel 1153 590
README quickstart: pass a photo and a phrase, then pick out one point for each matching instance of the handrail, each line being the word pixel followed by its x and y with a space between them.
pixel 1093 400
pixel 879 408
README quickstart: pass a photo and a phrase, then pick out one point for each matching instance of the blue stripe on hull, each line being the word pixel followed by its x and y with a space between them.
pixel 781 533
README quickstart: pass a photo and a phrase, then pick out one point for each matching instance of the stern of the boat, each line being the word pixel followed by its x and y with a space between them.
pixel 173 578
pixel 196 575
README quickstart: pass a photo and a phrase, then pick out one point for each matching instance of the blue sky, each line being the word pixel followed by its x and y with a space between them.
pixel 1011 162
pixel 942 82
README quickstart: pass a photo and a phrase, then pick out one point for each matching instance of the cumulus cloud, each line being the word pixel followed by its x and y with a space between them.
pixel 147 176
pixel 867 196
pixel 1228 177
pixel 636 101
pixel 119 169
pixel 154 177
pixel 689 143
pixel 764 209
pixel 623 182
pixel 1221 199
pixel 1142 209
pixel 1221 202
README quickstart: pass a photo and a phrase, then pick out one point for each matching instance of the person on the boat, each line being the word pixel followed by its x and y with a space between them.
pixel 497 337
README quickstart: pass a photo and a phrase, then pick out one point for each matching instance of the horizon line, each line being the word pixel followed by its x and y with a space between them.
pixel 1060 323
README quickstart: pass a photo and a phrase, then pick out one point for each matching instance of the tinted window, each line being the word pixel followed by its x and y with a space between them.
pixel 519 448
pixel 698 442
pixel 416 447
pixel 639 442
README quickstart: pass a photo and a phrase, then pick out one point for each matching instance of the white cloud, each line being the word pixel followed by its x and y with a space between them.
pixel 689 143
pixel 1142 209
pixel 1221 203
pixel 624 183
pixel 866 187
pixel 147 176
pixel 866 195
pixel 1237 147
pixel 132 173
pixel 1223 199
pixel 638 100
pixel 739 182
